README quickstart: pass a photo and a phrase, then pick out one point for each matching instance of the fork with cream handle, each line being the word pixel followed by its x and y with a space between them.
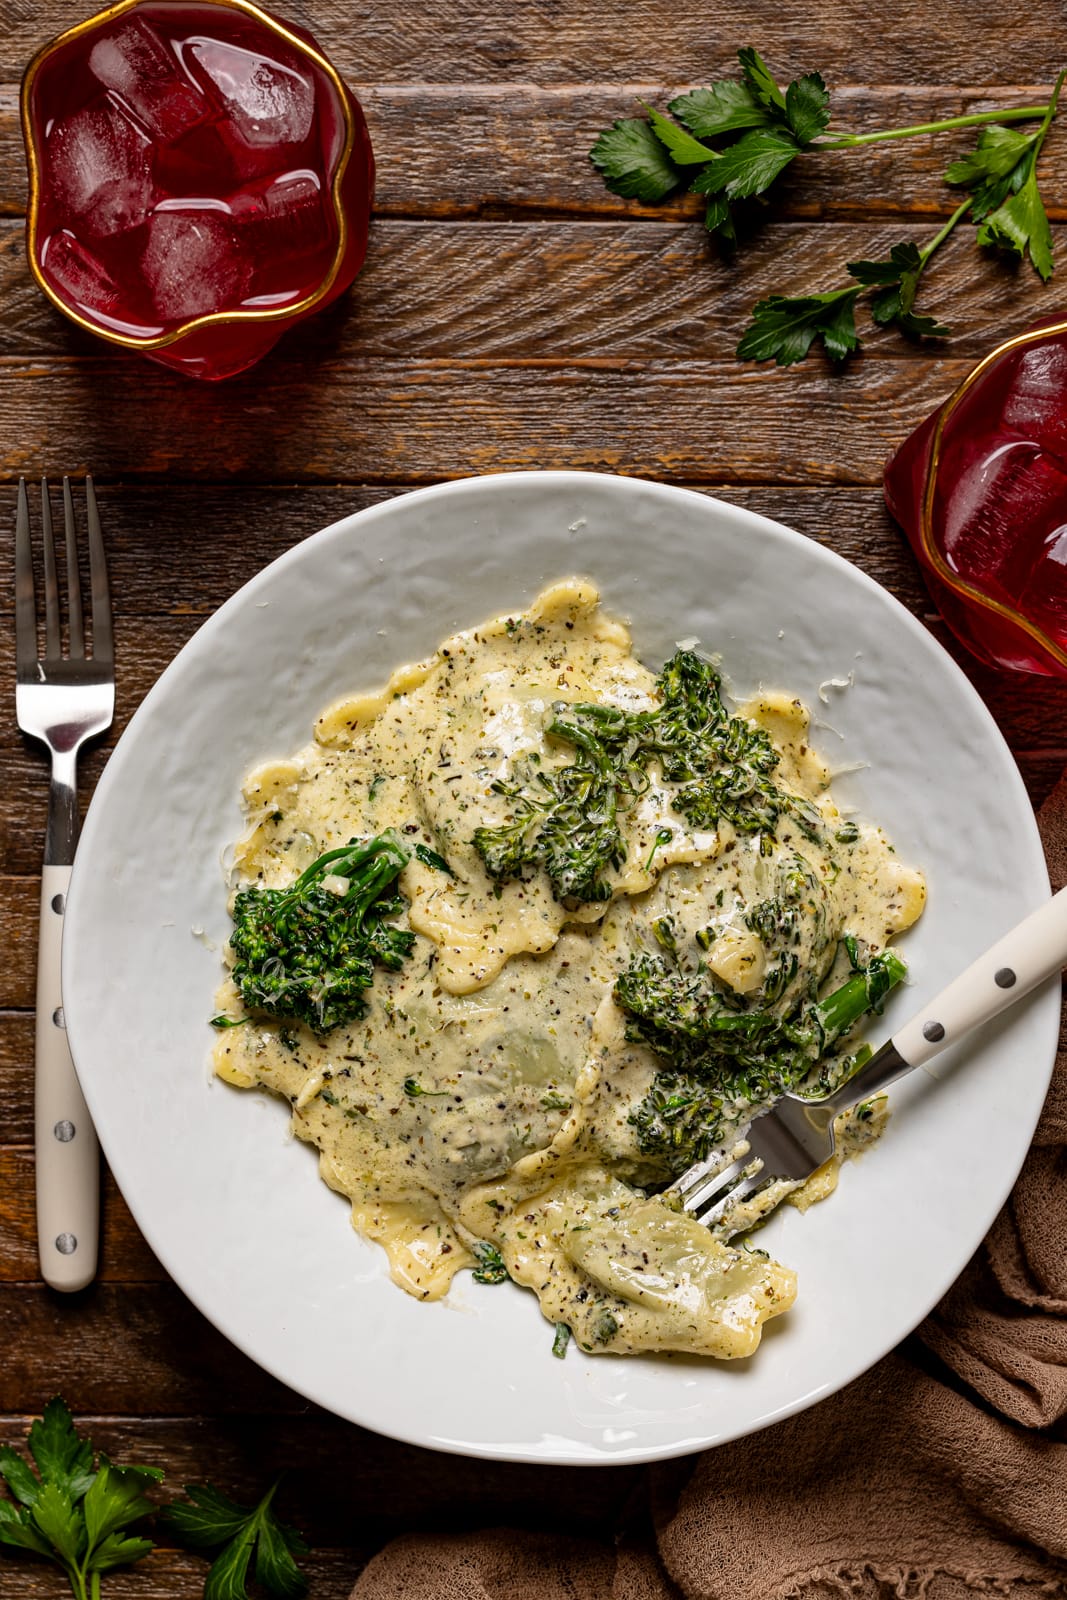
pixel 785 1144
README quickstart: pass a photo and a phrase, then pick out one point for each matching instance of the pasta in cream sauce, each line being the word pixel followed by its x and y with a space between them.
pixel 491 1094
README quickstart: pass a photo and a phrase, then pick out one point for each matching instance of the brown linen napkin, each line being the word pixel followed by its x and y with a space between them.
pixel 940 1474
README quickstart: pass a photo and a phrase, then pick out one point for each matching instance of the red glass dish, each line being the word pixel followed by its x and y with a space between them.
pixel 980 488
pixel 200 179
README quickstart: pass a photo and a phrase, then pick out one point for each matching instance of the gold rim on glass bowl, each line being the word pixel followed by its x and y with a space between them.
pixel 953 580
pixel 209 318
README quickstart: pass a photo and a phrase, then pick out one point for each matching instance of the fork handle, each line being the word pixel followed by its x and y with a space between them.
pixel 1025 957
pixel 67 1152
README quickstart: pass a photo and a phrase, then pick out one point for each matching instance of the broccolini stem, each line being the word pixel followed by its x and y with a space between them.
pixel 863 992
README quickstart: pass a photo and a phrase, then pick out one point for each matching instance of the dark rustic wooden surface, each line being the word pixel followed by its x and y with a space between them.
pixel 512 313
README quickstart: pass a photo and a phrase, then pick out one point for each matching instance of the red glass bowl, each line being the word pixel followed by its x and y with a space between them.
pixel 980 489
pixel 213 340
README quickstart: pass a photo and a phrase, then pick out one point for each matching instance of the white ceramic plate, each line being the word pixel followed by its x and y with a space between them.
pixel 235 1210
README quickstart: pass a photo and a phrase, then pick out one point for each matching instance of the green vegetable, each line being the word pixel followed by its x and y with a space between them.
pixel 897 279
pixel 430 858
pixel 783 329
pixel 70 1512
pixel 566 821
pixel 490 1268
pixel 242 1537
pixel 634 161
pixel 1019 224
pixel 718 1055
pixel 307 954
pixel 415 1091
pixel 561 1341
pixel 732 141
pixel 605 1328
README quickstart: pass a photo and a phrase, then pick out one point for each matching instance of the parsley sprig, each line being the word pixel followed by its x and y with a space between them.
pixel 69 1510
pixel 240 1537
pixel 1001 173
pixel 77 1509
pixel 731 143
pixel 784 329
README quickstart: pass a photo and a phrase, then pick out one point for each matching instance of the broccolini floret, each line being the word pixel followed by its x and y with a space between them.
pixel 716 767
pixel 717 1056
pixel 308 953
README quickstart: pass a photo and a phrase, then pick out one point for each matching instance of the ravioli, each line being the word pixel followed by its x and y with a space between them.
pixel 492 1094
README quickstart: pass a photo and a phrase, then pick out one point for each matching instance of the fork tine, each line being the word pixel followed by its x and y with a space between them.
pixel 736 1196
pixel 52 644
pixel 696 1176
pixel 103 647
pixel 699 1197
pixel 75 625
pixel 25 600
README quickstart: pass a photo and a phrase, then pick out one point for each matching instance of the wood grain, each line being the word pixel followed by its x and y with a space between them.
pixel 339 1478
pixel 473 150
pixel 554 41
pixel 634 290
pixel 702 421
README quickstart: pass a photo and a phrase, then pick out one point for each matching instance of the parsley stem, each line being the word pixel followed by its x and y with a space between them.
pixel 974 119
pixel 939 238
pixel 1039 136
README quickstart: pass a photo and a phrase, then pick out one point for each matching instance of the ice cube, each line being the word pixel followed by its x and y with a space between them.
pixel 100 169
pixel 136 64
pixel 193 263
pixel 282 224
pixel 267 103
pixel 79 276
pixel 283 216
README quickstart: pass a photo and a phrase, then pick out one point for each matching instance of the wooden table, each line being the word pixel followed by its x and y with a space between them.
pixel 512 313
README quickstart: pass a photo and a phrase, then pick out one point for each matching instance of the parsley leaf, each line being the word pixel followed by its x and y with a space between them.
pixel 783 329
pixel 804 108
pixel 67 1511
pixel 1020 223
pixel 723 107
pixel 761 82
pixel 993 170
pixel 750 166
pixel 634 162
pixel 718 218
pixel 209 1521
pixel 898 278
pixel 1021 227
pixel 683 148
pixel 807 108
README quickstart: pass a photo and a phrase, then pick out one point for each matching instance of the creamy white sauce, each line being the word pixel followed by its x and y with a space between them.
pixel 503 1018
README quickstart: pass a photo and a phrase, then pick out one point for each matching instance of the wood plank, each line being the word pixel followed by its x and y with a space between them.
pixel 699 421
pixel 174 1575
pixel 475 41
pixel 340 1484
pixel 623 289
pixel 111 1345
pixel 477 150
pixel 156 536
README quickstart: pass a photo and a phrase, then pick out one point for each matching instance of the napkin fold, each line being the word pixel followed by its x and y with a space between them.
pixel 940 1474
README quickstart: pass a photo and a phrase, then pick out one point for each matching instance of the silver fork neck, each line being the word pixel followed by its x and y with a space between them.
pixel 61 834
pixel 884 1068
